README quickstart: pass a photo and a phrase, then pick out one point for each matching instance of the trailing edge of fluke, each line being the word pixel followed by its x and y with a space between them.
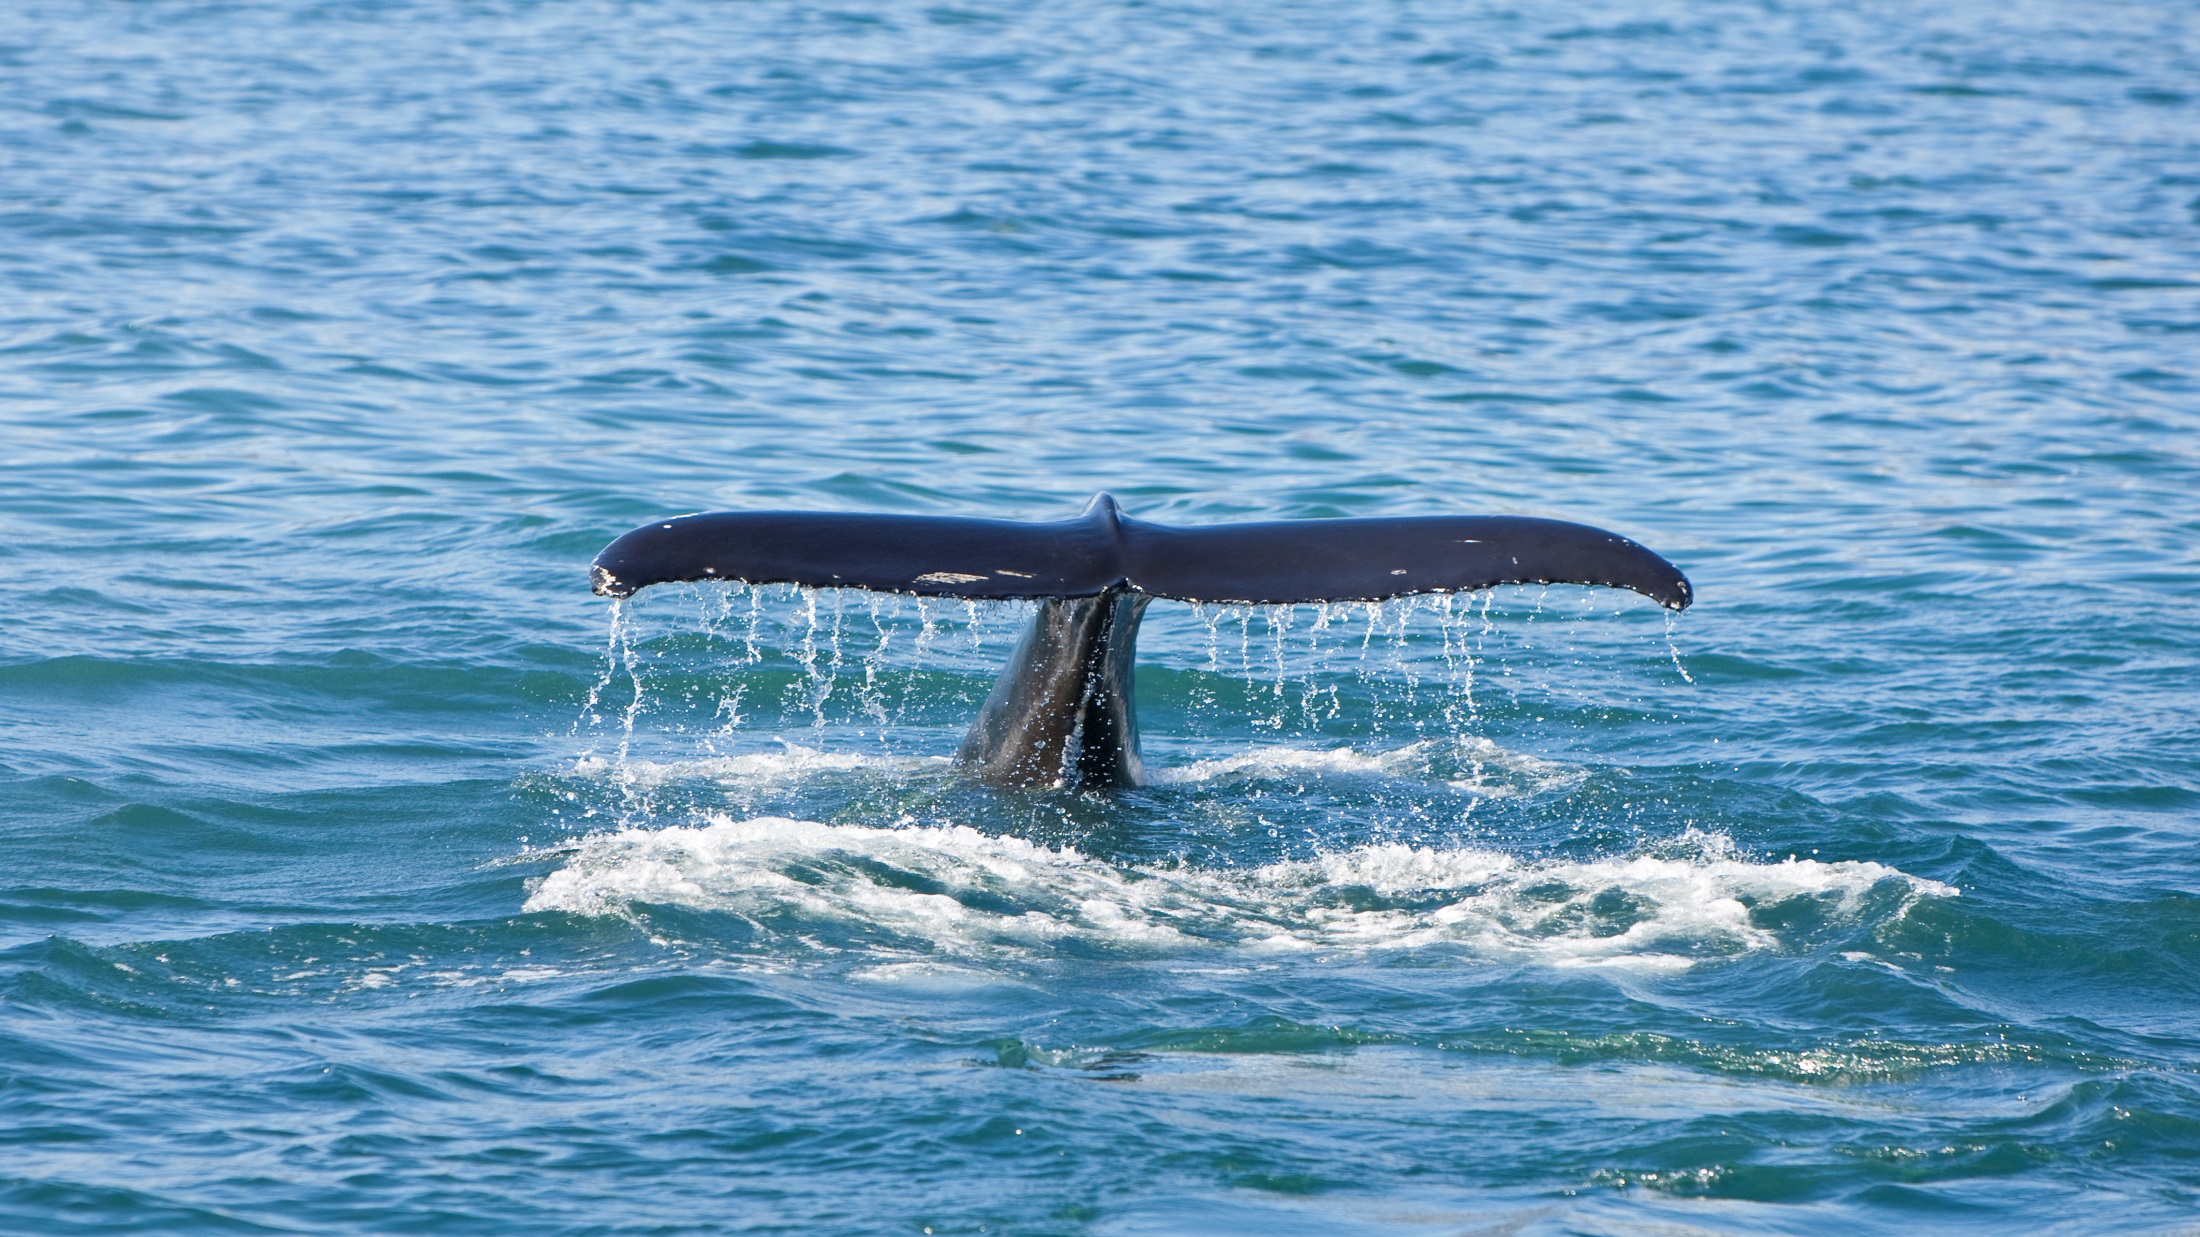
pixel 1061 714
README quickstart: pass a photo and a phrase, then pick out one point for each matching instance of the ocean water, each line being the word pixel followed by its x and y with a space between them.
pixel 361 872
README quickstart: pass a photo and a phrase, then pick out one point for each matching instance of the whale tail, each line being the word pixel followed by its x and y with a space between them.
pixel 1061 712
pixel 1275 561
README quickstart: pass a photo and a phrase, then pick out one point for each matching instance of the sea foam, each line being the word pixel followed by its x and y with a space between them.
pixel 961 892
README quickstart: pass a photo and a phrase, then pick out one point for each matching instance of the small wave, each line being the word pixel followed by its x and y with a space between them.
pixel 794 763
pixel 1473 765
pixel 953 891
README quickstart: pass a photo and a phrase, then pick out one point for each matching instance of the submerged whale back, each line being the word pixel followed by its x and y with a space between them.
pixel 1273 562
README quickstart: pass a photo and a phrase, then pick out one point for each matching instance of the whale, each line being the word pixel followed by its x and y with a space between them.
pixel 1061 715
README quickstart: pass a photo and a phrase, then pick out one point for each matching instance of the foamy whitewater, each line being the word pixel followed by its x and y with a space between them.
pixel 954 891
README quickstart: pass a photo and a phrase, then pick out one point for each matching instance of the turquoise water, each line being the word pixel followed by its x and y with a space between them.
pixel 364 873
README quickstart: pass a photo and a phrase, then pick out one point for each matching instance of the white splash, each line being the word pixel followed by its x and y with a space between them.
pixel 954 892
pixel 792 763
pixel 1475 765
pixel 1472 765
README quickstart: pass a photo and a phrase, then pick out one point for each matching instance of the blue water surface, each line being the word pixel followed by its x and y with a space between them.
pixel 360 872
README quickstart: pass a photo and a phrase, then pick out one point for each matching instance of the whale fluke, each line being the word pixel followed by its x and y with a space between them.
pixel 1060 713
pixel 1268 562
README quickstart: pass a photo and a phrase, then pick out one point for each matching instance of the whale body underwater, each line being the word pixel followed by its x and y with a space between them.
pixel 1061 714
